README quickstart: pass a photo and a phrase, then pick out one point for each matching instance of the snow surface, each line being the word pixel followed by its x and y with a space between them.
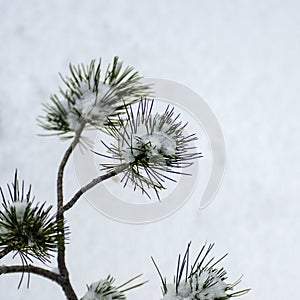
pixel 243 57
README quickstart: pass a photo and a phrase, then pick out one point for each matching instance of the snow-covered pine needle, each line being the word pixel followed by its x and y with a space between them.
pixel 27 228
pixel 89 98
pixel 200 281
pixel 105 290
pixel 154 145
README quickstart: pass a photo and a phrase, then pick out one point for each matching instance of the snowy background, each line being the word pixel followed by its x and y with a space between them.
pixel 243 57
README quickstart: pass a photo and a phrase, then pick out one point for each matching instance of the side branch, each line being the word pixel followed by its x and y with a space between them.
pixel 5 251
pixel 63 165
pixel 91 184
pixel 32 269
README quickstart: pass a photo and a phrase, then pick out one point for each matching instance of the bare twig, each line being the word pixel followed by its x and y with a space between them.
pixel 5 251
pixel 32 269
pixel 91 184
pixel 58 278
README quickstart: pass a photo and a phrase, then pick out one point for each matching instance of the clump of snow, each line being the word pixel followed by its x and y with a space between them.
pixel 91 106
pixel 184 292
pixel 20 208
pixel 159 145
pixel 196 287
pixel 3 230
pixel 73 121
pixel 102 290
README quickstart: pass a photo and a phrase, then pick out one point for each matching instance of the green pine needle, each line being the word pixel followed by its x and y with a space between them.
pixel 25 227
pixel 154 145
pixel 105 289
pixel 201 280
pixel 89 99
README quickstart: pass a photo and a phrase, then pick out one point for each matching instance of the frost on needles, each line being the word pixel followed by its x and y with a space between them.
pixel 203 280
pixel 90 96
pixel 106 290
pixel 153 145
pixel 27 228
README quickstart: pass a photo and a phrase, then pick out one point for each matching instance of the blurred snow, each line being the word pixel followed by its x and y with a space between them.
pixel 242 57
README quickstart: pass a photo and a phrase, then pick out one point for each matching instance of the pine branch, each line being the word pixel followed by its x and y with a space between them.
pixel 32 269
pixel 26 227
pixel 203 281
pixel 92 184
pixel 5 251
pixel 60 218
pixel 58 278
pixel 89 97
pixel 155 145
pixel 63 165
pixel 105 289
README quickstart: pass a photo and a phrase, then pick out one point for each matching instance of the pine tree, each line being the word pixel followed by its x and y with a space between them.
pixel 148 149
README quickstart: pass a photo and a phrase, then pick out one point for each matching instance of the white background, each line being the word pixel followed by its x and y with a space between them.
pixel 242 57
